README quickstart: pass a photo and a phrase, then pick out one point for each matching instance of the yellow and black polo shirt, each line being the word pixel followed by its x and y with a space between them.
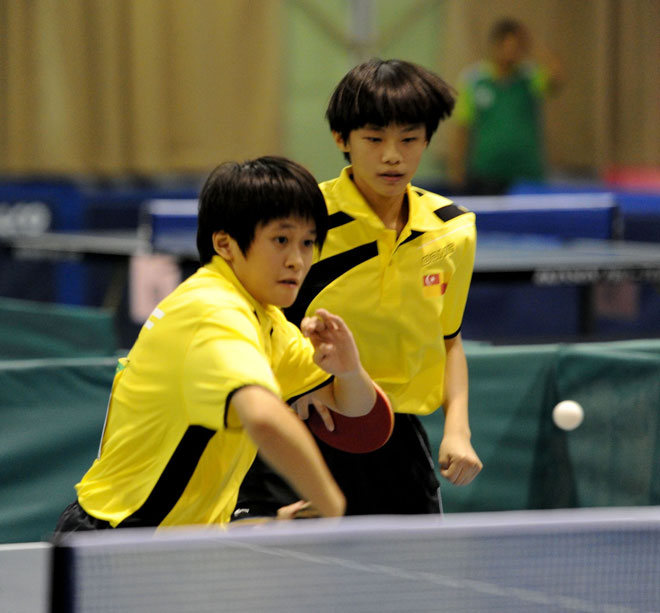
pixel 401 296
pixel 172 451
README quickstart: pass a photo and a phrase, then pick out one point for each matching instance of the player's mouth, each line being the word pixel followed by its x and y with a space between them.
pixel 392 177
pixel 289 282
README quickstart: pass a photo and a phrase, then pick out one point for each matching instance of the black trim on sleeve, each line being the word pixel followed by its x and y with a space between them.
pixel 323 273
pixel 449 212
pixel 454 335
pixel 173 480
pixel 227 401
pixel 309 391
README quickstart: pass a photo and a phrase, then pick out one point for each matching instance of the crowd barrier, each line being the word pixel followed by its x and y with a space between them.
pixel 52 413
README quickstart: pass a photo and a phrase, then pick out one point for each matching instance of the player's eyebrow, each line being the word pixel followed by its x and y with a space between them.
pixel 412 127
pixel 288 225
pixel 405 127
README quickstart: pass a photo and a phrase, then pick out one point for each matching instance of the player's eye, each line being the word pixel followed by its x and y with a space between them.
pixel 308 243
pixel 281 240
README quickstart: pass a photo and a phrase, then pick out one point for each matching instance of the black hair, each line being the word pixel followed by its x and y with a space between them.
pixel 505 27
pixel 381 92
pixel 238 197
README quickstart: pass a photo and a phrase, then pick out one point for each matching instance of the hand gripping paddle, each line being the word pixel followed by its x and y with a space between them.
pixel 356 434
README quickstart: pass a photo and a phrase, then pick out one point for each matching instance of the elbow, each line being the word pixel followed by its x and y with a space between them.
pixel 262 427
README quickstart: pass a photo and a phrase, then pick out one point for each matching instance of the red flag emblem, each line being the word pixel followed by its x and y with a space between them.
pixel 433 285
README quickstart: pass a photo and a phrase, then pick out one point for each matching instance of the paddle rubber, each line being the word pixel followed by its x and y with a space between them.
pixel 356 434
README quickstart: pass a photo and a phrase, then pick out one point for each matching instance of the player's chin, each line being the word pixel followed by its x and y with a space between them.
pixel 287 295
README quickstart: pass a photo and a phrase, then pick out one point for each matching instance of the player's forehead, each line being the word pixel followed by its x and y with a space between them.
pixel 394 127
pixel 291 223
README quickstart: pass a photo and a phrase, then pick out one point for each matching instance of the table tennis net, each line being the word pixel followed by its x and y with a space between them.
pixel 597 561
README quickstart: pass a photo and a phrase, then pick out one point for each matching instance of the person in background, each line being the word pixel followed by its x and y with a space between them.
pixel 498 132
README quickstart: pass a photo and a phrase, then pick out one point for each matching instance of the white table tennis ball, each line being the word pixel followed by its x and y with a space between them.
pixel 567 414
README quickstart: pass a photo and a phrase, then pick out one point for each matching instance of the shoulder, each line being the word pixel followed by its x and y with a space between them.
pixel 473 79
pixel 208 290
pixel 338 191
pixel 327 187
pixel 215 304
pixel 441 207
pixel 475 73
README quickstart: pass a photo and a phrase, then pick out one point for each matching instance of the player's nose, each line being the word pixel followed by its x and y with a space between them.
pixel 294 259
pixel 391 153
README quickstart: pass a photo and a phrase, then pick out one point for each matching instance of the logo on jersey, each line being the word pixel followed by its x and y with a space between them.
pixel 431 256
pixel 432 285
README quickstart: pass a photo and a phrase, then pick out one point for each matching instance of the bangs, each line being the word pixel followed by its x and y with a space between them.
pixel 278 196
pixel 237 198
pixel 385 105
pixel 385 92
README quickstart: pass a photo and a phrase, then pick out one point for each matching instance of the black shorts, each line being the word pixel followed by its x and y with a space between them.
pixel 397 479
pixel 75 519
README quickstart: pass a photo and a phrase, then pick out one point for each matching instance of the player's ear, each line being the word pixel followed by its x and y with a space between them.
pixel 222 243
pixel 340 142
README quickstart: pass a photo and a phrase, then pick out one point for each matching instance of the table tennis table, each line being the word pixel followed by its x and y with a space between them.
pixel 597 560
pixel 499 257
pixel 544 240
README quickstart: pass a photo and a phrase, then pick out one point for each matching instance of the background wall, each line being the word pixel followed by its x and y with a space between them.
pixel 145 88
pixel 170 87
pixel 326 39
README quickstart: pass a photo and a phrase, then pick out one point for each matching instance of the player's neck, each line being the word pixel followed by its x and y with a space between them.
pixel 504 70
pixel 392 212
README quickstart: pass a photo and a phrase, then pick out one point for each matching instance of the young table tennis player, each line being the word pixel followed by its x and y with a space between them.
pixel 202 387
pixel 396 264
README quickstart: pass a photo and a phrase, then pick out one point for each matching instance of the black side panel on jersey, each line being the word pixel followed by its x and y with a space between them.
pixel 324 272
pixel 173 480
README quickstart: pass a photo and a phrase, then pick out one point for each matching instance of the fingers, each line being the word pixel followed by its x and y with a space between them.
pixel 301 406
pixel 298 510
pixel 307 511
pixel 460 471
pixel 330 321
pixel 326 416
pixel 322 322
pixel 308 326
pixel 291 510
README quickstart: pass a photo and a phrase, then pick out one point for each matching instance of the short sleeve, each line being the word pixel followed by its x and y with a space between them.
pixel 458 287
pixel 226 353
pixel 464 109
pixel 294 365
pixel 539 79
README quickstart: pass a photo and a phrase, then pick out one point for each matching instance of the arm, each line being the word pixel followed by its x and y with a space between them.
pixel 459 463
pixel 352 391
pixel 549 60
pixel 286 444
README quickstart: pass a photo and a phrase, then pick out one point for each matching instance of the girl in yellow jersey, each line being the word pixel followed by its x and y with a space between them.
pixel 396 265
pixel 203 386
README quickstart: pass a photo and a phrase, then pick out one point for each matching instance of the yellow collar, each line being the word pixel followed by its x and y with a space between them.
pixel 420 218
pixel 220 267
